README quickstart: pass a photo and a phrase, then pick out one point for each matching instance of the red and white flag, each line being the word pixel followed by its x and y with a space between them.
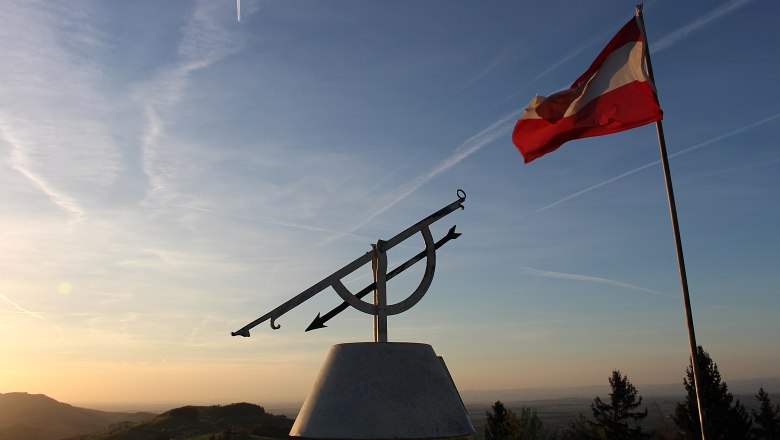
pixel 613 95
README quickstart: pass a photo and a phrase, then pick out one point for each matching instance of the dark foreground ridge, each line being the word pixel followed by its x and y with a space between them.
pixel 39 417
pixel 234 421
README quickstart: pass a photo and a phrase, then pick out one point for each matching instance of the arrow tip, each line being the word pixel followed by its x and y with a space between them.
pixel 242 332
pixel 318 322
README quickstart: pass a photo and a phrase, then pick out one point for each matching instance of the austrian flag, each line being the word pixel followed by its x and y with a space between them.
pixel 613 95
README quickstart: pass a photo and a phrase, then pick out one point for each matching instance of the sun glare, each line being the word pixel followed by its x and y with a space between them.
pixel 64 288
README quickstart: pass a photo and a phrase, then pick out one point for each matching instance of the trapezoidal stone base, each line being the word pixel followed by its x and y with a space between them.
pixel 394 390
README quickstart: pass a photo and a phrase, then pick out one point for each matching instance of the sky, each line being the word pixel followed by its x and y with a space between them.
pixel 169 173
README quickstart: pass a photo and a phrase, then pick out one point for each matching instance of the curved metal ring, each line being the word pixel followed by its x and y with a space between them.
pixel 411 300
pixel 354 301
pixel 430 268
pixel 461 194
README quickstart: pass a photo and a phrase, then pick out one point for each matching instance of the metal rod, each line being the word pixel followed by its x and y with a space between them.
pixel 677 239
pixel 374 268
pixel 381 291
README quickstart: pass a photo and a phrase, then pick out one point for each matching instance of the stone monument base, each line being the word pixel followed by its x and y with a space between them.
pixel 393 390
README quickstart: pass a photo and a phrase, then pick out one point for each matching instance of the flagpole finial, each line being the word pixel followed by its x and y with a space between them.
pixel 639 9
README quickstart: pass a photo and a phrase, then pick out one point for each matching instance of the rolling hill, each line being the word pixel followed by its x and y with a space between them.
pixel 39 417
pixel 235 421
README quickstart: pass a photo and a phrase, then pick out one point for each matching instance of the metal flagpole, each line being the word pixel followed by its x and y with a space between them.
pixel 678 242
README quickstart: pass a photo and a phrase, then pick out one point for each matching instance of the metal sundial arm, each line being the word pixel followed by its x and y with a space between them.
pixel 304 296
pixel 334 279
pixel 427 221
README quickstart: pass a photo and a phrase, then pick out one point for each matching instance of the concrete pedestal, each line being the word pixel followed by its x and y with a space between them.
pixel 383 391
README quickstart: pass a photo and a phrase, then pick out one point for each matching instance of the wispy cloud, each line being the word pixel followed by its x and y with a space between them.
pixel 549 69
pixel 655 162
pixel 209 36
pixel 678 35
pixel 592 279
pixel 33 314
pixel 52 112
pixel 20 162
pixel 275 221
pixel 578 50
pixel 165 260
pixel 498 128
pixel 22 309
pixel 211 331
pixel 473 144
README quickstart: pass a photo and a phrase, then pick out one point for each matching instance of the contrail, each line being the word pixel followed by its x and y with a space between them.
pixel 34 315
pixel 592 279
pixel 19 162
pixel 204 42
pixel 273 221
pixel 22 309
pixel 464 150
pixel 489 134
pixel 656 162
pixel 676 36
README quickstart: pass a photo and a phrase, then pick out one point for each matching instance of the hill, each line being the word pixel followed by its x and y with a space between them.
pixel 39 417
pixel 235 421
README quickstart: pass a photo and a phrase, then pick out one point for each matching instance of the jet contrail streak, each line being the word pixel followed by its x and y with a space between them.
pixel 484 137
pixel 592 279
pixel 656 162
pixel 464 150
pixel 22 309
pixel 676 36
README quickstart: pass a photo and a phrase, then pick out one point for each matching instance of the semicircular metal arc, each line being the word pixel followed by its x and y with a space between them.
pixel 411 300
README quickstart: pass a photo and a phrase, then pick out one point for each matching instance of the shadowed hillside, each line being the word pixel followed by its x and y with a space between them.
pixel 235 421
pixel 39 417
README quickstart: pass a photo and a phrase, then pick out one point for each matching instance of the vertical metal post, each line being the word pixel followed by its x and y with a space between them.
pixel 380 294
pixel 677 239
pixel 374 267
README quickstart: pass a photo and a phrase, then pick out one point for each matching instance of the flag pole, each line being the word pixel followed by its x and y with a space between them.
pixel 676 229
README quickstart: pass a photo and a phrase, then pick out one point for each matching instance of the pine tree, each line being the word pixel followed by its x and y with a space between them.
pixel 530 426
pixel 767 418
pixel 724 419
pixel 504 424
pixel 501 423
pixel 580 429
pixel 619 419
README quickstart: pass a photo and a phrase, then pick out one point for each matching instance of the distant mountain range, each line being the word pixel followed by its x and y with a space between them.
pixel 39 417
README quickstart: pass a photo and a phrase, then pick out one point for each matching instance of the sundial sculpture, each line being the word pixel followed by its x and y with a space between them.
pixel 380 390
pixel 378 257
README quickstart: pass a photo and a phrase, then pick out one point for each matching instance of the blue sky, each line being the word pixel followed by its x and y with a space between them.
pixel 168 174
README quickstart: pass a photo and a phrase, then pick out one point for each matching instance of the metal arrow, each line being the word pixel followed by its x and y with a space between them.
pixel 319 321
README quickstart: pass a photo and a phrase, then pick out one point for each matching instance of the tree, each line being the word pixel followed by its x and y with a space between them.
pixel 767 418
pixel 724 419
pixel 501 423
pixel 580 429
pixel 504 424
pixel 619 419
pixel 530 426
